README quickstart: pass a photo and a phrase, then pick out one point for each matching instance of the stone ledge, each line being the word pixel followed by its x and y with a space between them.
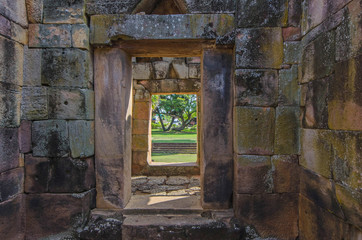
pixel 105 28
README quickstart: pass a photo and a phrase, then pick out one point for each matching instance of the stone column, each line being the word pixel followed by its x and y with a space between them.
pixel 216 128
pixel 113 131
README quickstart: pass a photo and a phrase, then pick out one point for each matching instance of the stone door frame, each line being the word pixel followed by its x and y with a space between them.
pixel 113 98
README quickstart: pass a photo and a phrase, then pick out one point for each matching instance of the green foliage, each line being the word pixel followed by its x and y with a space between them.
pixel 175 108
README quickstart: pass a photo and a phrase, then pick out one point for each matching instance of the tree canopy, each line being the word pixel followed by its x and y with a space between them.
pixel 168 108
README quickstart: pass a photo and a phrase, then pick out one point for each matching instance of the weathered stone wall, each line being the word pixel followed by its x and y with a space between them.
pixel 297 112
pixel 13 41
pixel 331 139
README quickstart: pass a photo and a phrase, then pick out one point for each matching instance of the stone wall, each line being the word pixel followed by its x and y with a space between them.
pixel 13 44
pixel 331 139
pixel 296 113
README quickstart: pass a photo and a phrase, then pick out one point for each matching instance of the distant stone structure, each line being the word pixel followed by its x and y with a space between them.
pixel 280 117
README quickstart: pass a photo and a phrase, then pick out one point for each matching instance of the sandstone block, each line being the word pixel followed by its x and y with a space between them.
pixel 50 138
pixel 142 95
pixel 345 98
pixel 256 87
pixel 50 35
pixel 311 215
pixel 58 11
pixel 139 162
pixel 259 48
pixel 140 142
pixel 141 127
pixel 214 6
pixel 142 71
pixel 207 26
pixel 35 10
pixel 15 11
pixel 262 14
pixel 25 136
pixel 11 62
pixel 13 31
pixel 36 174
pixel 32 67
pixel 294 12
pixel 316 153
pixel 11 183
pixel 320 191
pixel 349 33
pixel 141 110
pixel 81 138
pixel 34 103
pixel 316 109
pixel 95 7
pixel 254 130
pixel 157 180
pixel 71 175
pixel 253 174
pixel 171 85
pixel 318 58
pixel 177 180
pixel 291 34
pixel 272 215
pixel 48 214
pixel 286 171
pixel 71 104
pixel 194 70
pixel 67 68
pixel 350 201
pixel 80 36
pixel 287 128
pixel 179 70
pixel 10 98
pixel 12 214
pixel 292 52
pixel 160 69
pixel 9 148
pixel 289 90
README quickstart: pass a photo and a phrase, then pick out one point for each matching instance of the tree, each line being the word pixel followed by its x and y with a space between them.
pixel 181 107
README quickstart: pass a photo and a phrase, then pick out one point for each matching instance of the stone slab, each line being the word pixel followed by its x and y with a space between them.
pixel 286 171
pixel 11 62
pixel 138 27
pixel 48 214
pixel 272 13
pixel 254 130
pixel 99 7
pixel 34 103
pixel 259 48
pixel 256 87
pixel 32 67
pixel 36 174
pixel 13 31
pixel 289 90
pixel 50 35
pixel 113 132
pixel 58 11
pixel 216 128
pixel 11 183
pixel 172 85
pixel 71 104
pixel 80 36
pixel 25 136
pixel 15 11
pixel 50 138
pixel 212 6
pixel 344 97
pixel 66 68
pixel 81 138
pixel 287 130
pixel 9 149
pixel 34 10
pixel 252 174
pixel 12 218
pixel 292 52
pixel 10 99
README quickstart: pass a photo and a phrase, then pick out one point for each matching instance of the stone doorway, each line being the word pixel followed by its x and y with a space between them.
pixel 113 99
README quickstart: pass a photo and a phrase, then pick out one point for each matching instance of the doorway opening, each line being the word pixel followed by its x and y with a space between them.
pixel 174 128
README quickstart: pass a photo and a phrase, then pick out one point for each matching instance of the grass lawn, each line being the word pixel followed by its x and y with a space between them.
pixel 159 136
pixel 174 137
pixel 174 158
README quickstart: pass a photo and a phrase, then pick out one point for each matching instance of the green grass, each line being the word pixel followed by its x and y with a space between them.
pixel 174 158
pixel 186 136
pixel 174 137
